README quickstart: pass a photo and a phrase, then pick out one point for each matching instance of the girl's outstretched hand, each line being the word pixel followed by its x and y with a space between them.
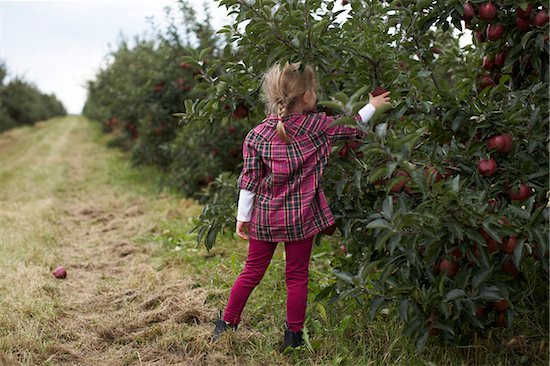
pixel 242 230
pixel 379 100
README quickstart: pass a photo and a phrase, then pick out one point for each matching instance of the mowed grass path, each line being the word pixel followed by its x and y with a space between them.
pixel 139 291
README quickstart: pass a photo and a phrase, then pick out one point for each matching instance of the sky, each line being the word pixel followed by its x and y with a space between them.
pixel 58 45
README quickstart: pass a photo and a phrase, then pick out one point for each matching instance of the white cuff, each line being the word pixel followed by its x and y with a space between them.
pixel 366 113
pixel 246 201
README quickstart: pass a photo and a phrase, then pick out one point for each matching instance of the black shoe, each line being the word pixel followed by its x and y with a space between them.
pixel 221 326
pixel 292 339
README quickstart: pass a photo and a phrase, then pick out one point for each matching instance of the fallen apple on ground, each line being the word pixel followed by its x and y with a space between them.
pixel 60 272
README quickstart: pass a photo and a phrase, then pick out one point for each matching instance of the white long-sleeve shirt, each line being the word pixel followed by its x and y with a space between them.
pixel 246 197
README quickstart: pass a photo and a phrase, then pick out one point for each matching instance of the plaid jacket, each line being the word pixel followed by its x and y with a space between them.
pixel 290 204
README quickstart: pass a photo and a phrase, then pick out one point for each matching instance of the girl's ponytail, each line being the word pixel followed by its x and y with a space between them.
pixel 280 125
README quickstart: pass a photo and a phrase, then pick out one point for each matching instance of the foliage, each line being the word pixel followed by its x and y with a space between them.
pixel 426 230
pixel 21 103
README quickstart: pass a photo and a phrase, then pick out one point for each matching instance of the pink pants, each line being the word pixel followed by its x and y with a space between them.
pixel 296 273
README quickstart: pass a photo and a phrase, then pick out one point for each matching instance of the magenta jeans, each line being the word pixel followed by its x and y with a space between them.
pixel 296 273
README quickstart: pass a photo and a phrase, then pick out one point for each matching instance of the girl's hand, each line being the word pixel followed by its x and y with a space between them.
pixel 379 100
pixel 242 230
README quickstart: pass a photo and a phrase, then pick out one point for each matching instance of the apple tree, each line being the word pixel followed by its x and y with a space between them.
pixel 443 207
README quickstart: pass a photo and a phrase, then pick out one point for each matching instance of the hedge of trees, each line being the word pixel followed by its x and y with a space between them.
pixel 145 83
pixel 21 103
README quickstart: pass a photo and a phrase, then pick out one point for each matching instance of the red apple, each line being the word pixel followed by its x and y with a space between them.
pixel 501 305
pixel 240 112
pixel 509 268
pixel 343 249
pixel 484 234
pixel 523 193
pixel 159 86
pixel 60 272
pixel 353 146
pixel 429 323
pixel 499 59
pixel 487 11
pixel 184 65
pixel 522 24
pixel 451 267
pixel 500 143
pixel 495 31
pixel 480 311
pixel 456 252
pixel 399 186
pixel 487 167
pixel 379 90
pixel 493 246
pixel 524 14
pixel 488 63
pixel 476 252
pixel 344 152
pixel 433 175
pixel 468 13
pixel 486 81
pixel 541 18
pixel 480 37
pixel 501 320
pixel 345 2
pixel 509 244
pixel 509 142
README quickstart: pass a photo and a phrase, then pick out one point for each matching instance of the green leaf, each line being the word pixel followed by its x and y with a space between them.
pixel 375 305
pixel 454 294
pixel 377 174
pixel 320 27
pixel 404 309
pixel 444 327
pixel 518 250
pixel 424 73
pixel 492 233
pixel 378 223
pixel 519 212
pixel 489 293
pixel 526 37
pixel 381 130
pixel 387 208
pixel 421 340
pixel 322 311
pixel 188 106
pixel 344 276
pixel 455 184
pixel 480 277
pixel 412 326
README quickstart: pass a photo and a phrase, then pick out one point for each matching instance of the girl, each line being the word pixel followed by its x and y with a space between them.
pixel 280 197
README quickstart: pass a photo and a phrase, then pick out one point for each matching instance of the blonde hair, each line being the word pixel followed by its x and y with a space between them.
pixel 283 87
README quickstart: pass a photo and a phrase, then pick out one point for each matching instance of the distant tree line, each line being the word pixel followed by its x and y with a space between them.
pixel 21 103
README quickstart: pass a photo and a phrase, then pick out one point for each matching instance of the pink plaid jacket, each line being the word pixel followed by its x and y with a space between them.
pixel 290 204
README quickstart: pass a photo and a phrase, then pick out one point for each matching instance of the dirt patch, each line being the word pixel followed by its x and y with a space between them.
pixel 118 306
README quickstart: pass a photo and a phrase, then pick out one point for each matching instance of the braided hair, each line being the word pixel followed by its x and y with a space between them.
pixel 283 87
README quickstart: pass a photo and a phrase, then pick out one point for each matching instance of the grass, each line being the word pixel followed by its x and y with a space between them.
pixel 340 333
pixel 140 290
